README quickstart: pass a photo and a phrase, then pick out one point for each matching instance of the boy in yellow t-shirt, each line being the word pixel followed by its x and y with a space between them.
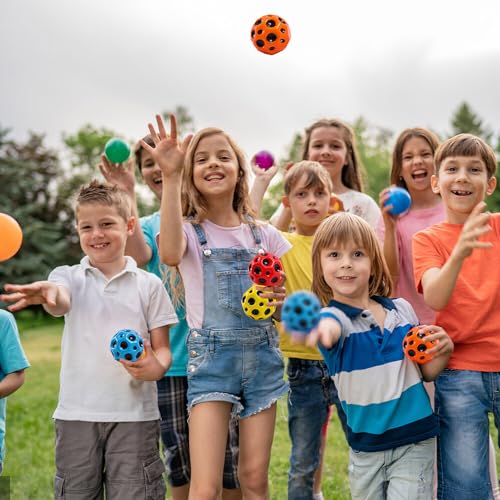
pixel 307 187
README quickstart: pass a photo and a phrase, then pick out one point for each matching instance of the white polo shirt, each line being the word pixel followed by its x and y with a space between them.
pixel 93 386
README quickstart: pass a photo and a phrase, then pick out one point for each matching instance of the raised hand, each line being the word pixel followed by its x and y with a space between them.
pixel 168 152
pixel 389 219
pixel 477 224
pixel 120 174
pixel 22 296
pixel 443 344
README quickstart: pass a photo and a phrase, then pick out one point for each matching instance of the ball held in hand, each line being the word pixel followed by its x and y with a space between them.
pixel 117 150
pixel 265 269
pixel 415 346
pixel 128 345
pixel 400 200
pixel 301 312
pixel 264 160
pixel 11 237
pixel 256 307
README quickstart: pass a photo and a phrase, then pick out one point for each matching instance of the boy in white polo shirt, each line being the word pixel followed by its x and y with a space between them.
pixel 107 418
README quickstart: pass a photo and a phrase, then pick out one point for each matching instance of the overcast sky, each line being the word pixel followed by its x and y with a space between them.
pixel 115 63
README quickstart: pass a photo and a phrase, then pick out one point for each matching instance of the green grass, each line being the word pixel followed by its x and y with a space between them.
pixel 30 431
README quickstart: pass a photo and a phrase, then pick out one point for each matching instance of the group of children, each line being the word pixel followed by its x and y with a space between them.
pixel 223 371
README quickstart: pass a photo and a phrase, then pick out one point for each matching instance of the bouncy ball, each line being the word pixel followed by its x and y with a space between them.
pixel 11 237
pixel 117 150
pixel 264 160
pixel 127 344
pixel 415 346
pixel 265 269
pixel 400 200
pixel 256 307
pixel 301 312
pixel 270 34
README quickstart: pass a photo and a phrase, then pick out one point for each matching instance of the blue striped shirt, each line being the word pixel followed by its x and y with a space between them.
pixel 380 389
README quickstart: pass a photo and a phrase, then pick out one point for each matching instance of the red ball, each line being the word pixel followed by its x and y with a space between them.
pixel 265 269
pixel 415 346
pixel 270 34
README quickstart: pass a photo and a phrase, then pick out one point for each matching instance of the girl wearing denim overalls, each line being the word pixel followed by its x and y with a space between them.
pixel 235 364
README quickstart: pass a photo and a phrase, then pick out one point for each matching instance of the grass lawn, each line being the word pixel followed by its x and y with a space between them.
pixel 30 432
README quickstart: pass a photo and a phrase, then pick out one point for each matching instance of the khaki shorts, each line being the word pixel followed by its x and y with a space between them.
pixel 121 459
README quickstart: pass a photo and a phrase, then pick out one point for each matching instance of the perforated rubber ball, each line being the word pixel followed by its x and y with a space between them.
pixel 301 312
pixel 270 34
pixel 265 269
pixel 254 306
pixel 126 344
pixel 415 346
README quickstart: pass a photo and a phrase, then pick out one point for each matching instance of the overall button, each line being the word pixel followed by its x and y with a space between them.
pixel 207 252
pixel 193 354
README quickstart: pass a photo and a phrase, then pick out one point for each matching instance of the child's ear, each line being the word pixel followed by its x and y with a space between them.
pixel 285 201
pixel 492 184
pixel 435 184
pixel 131 223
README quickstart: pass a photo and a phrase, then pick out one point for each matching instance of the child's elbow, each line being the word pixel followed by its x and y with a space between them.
pixel 170 259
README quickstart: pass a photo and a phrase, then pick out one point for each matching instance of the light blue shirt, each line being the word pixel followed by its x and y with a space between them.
pixel 151 227
pixel 12 359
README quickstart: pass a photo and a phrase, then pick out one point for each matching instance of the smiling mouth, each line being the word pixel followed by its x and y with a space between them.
pixel 99 246
pixel 217 177
pixel 345 278
pixel 158 181
pixel 419 174
pixel 457 192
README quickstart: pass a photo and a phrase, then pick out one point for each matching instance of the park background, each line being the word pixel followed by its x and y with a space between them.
pixel 75 74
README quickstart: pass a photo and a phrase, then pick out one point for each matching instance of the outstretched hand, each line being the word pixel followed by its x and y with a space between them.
pixel 168 152
pixel 120 174
pixel 22 296
pixel 477 224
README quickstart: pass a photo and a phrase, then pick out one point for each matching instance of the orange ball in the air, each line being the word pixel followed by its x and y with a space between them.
pixel 11 237
pixel 270 34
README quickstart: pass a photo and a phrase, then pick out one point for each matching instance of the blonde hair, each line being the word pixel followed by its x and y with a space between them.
pixel 467 145
pixel 338 229
pixel 397 153
pixel 314 172
pixel 194 204
pixel 352 172
pixel 101 193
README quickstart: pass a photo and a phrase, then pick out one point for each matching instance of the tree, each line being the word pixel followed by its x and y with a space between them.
pixel 464 120
pixel 185 122
pixel 29 173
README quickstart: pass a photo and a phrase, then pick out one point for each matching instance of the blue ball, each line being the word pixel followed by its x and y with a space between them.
pixel 126 344
pixel 400 200
pixel 301 312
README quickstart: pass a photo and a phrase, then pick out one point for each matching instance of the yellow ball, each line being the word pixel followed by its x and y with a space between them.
pixel 256 307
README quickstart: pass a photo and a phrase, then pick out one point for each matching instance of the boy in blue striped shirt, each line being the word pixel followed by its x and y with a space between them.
pixel 391 425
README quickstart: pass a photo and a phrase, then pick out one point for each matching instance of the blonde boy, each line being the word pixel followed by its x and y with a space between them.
pixel 107 418
pixel 457 268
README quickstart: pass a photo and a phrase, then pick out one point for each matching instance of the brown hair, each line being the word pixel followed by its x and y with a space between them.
pixel 338 229
pixel 467 145
pixel 397 153
pixel 138 149
pixel 194 205
pixel 352 171
pixel 314 172
pixel 101 193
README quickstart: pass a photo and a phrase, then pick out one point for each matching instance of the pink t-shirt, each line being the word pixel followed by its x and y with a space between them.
pixel 191 266
pixel 406 226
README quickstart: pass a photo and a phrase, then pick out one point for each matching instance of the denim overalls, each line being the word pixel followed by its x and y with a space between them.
pixel 232 357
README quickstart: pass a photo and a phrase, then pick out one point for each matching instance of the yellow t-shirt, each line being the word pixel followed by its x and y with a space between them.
pixel 297 263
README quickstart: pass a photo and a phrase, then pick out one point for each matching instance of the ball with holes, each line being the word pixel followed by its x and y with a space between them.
pixel 301 312
pixel 400 200
pixel 415 346
pixel 270 34
pixel 256 307
pixel 127 344
pixel 265 269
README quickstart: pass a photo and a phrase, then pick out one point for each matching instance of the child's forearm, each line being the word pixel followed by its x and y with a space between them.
pixel 284 219
pixel 62 303
pixel 432 369
pixel 438 283
pixel 391 253
pixel 164 357
pixel 11 383
pixel 172 242
pixel 259 188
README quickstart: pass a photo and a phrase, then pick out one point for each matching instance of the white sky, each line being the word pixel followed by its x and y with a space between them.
pixel 115 63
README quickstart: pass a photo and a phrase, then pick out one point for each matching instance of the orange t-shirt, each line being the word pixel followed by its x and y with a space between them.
pixel 472 316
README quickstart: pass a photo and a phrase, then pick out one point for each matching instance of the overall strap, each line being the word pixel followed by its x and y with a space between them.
pixel 256 233
pixel 202 239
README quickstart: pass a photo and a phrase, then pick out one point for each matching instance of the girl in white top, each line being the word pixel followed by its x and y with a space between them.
pixel 332 143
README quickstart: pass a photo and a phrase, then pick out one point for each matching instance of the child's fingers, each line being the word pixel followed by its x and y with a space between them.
pixel 153 134
pixel 173 126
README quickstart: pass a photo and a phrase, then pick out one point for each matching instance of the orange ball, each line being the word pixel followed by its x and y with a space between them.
pixel 11 237
pixel 270 34
pixel 415 346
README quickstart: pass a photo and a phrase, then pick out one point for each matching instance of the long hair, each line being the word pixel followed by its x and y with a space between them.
pixel 397 153
pixel 352 171
pixel 336 231
pixel 194 205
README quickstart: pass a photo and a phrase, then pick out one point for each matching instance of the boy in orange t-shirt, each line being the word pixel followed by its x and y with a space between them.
pixel 457 268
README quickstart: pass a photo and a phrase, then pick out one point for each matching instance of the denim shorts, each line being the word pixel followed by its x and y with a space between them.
pixel 244 367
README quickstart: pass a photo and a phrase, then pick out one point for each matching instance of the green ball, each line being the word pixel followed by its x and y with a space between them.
pixel 117 150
